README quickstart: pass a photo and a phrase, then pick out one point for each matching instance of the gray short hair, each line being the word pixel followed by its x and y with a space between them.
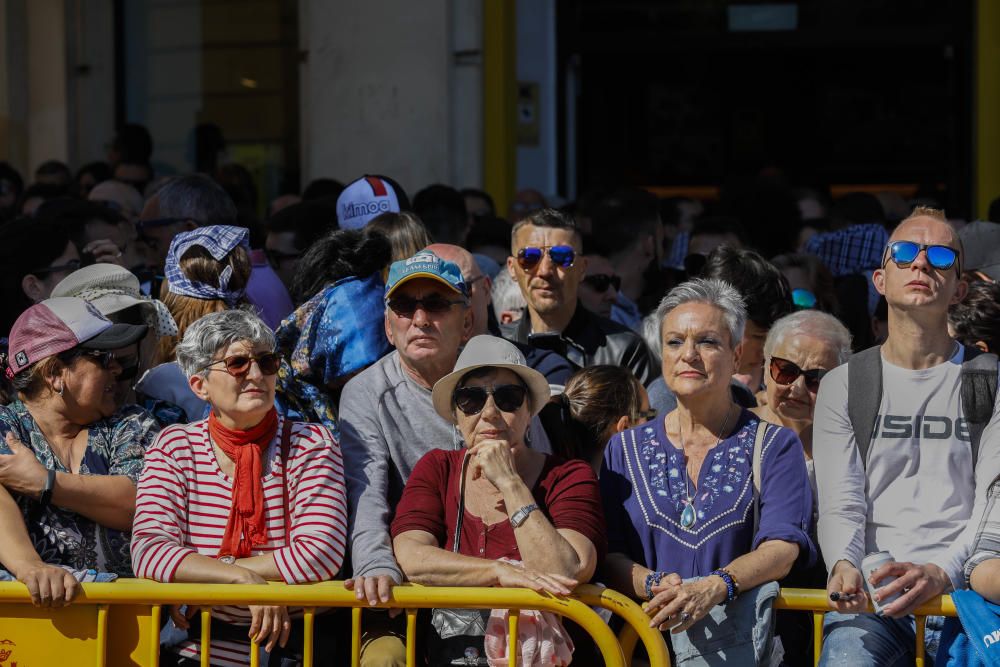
pixel 196 197
pixel 814 323
pixel 506 293
pixel 217 331
pixel 714 292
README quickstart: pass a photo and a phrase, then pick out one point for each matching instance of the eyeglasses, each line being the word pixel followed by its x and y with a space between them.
pixel 561 255
pixel 784 371
pixel 406 306
pixel 238 365
pixel 600 282
pixel 507 397
pixel 69 267
pixel 105 359
pixel 904 253
pixel 803 299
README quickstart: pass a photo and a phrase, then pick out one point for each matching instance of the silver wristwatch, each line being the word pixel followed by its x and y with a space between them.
pixel 228 560
pixel 521 515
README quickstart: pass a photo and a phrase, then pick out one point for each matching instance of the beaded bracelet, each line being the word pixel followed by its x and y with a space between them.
pixel 652 579
pixel 732 588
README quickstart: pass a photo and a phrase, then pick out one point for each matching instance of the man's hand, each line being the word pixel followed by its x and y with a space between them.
pixel 848 582
pixel 20 471
pixel 373 589
pixel 917 583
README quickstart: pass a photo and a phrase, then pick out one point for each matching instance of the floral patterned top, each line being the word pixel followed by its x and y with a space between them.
pixel 644 494
pixel 115 446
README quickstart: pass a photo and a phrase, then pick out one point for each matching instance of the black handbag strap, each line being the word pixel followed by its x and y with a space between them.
pixel 461 504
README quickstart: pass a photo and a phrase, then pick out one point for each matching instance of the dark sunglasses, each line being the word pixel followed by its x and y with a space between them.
pixel 600 282
pixel 105 359
pixel 406 306
pixel 507 397
pixel 784 371
pixel 561 255
pixel 238 365
pixel 69 267
pixel 904 253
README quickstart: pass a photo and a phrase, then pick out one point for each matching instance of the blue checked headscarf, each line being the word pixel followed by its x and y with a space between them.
pixel 337 333
pixel 219 241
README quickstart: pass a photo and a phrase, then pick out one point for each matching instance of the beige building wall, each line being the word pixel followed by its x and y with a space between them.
pixel 392 87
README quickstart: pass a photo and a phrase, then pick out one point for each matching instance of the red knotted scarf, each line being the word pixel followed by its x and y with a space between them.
pixel 246 527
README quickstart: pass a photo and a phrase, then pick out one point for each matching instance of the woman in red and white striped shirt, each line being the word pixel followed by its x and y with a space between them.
pixel 244 496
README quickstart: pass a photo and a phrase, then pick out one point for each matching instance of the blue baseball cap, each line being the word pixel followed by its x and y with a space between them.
pixel 425 264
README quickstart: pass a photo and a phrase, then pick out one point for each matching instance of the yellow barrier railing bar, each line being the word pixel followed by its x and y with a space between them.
pixel 817 636
pixel 411 637
pixel 636 620
pixel 513 619
pixel 154 625
pixel 356 637
pixel 308 627
pixel 206 638
pixel 815 600
pixel 102 635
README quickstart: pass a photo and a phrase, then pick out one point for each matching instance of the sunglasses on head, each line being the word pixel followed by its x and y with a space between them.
pixel 238 365
pixel 600 282
pixel 406 306
pixel 561 255
pixel 784 371
pixel 507 397
pixel 904 253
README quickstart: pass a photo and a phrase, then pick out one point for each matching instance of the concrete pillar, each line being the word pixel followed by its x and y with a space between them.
pixel 48 124
pixel 378 91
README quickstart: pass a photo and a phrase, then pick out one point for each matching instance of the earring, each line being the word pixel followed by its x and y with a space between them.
pixel 61 389
pixel 527 437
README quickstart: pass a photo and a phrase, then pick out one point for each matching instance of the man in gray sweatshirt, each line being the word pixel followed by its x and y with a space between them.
pixel 918 494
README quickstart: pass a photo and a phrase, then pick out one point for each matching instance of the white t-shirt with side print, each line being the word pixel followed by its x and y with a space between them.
pixel 918 497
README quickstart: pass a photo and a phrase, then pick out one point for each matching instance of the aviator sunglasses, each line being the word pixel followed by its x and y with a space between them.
pixel 507 397
pixel 406 306
pixel 238 365
pixel 904 253
pixel 600 282
pixel 561 255
pixel 784 371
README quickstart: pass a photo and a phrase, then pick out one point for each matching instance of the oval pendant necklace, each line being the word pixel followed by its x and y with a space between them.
pixel 688 515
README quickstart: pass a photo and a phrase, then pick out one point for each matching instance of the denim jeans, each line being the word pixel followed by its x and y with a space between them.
pixel 867 640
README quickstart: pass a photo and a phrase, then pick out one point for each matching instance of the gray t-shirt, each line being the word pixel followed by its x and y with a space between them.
pixel 387 423
pixel 918 498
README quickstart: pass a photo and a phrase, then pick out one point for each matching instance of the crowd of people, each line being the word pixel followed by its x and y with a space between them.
pixel 652 395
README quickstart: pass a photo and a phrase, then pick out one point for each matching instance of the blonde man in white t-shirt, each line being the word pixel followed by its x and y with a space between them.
pixel 917 492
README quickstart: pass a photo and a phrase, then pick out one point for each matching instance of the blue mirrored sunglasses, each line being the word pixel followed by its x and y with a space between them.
pixel 561 255
pixel 904 253
pixel 803 299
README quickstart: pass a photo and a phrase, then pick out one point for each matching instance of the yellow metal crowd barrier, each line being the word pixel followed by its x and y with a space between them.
pixel 815 601
pixel 79 634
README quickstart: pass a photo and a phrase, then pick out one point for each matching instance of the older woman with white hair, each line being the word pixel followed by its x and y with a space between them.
pixel 243 496
pixel 799 350
pixel 709 502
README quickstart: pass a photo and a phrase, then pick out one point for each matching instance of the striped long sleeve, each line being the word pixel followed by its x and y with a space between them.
pixel 183 503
